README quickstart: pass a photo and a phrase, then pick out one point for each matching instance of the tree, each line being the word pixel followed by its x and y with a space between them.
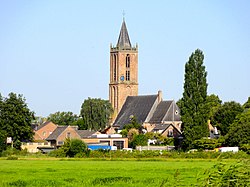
pixel 16 118
pixel 139 139
pixel 225 116
pixel 72 147
pixel 194 115
pixel 213 103
pixel 63 118
pixel 246 105
pixel 96 113
pixel 239 132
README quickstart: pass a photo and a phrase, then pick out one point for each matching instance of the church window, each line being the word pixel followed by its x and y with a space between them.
pixel 127 75
pixel 127 61
pixel 114 69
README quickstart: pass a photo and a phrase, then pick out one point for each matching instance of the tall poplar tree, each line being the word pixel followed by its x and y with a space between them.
pixel 193 111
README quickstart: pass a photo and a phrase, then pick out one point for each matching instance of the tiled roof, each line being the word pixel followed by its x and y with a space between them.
pixel 123 41
pixel 173 114
pixel 160 111
pixel 161 127
pixel 138 106
pixel 85 133
pixel 43 125
pixel 54 135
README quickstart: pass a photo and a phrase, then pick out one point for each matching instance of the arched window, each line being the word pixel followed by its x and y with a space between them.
pixel 114 69
pixel 128 61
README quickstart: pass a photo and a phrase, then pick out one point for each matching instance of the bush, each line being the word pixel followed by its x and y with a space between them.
pixel 12 158
pixel 206 143
pixel 228 175
pixel 245 148
pixel 71 148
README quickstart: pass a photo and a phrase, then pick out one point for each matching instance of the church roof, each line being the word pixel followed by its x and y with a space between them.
pixel 160 111
pixel 123 41
pixel 166 111
pixel 138 106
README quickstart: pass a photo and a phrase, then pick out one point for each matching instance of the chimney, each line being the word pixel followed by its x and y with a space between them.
pixel 159 96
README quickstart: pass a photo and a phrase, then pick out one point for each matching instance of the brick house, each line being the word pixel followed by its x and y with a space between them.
pixel 43 131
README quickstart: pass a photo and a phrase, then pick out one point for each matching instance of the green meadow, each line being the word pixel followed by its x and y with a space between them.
pixel 89 172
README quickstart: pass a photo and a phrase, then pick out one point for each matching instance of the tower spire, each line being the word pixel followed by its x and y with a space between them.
pixel 124 41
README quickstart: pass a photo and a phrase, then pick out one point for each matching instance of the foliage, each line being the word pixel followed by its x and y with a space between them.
pixel 127 132
pixel 239 132
pixel 225 116
pixel 139 140
pixel 133 124
pixel 3 137
pixel 245 148
pixel 213 103
pixel 80 123
pixel 72 147
pixel 161 140
pixel 246 105
pixel 193 112
pixel 16 118
pixel 14 152
pixel 96 113
pixel 228 175
pixel 63 118
pixel 131 134
pixel 205 143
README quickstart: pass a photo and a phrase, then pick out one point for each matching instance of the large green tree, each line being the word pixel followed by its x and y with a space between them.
pixel 239 132
pixel 193 112
pixel 246 105
pixel 63 118
pixel 16 118
pixel 96 113
pixel 226 115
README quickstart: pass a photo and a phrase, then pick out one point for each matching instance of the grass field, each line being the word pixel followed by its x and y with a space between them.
pixel 102 173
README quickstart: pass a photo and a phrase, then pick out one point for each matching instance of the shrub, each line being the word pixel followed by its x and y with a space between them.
pixel 12 158
pixel 245 148
pixel 228 175
pixel 206 143
pixel 71 148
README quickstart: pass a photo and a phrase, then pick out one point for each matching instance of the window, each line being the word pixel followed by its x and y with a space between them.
pixel 68 135
pixel 60 143
pixel 119 144
pixel 127 75
pixel 44 133
pixel 170 133
pixel 114 68
pixel 127 61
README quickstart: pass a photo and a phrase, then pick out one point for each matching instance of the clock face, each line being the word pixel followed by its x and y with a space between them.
pixel 122 78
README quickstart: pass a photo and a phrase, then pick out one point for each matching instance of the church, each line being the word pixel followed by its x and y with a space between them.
pixel 151 111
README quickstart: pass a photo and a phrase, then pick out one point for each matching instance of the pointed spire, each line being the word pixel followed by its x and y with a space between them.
pixel 123 41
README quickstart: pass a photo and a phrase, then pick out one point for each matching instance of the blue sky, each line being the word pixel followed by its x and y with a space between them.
pixel 56 53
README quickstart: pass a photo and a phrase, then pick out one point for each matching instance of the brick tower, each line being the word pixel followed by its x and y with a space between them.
pixel 123 70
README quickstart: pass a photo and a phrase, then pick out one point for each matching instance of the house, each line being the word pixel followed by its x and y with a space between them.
pixel 44 130
pixel 61 133
pixel 152 112
pixel 58 136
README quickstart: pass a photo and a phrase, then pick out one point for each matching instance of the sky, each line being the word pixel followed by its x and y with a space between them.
pixel 56 53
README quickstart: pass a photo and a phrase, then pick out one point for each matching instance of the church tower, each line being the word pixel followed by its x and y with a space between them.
pixel 123 70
